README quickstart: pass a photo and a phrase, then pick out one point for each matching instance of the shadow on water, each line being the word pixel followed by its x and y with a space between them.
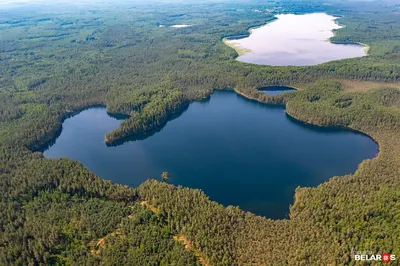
pixel 329 129
pixel 118 116
pixel 257 103
pixel 301 124
pixel 145 135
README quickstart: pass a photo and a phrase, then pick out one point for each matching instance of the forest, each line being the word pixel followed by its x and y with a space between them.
pixel 57 60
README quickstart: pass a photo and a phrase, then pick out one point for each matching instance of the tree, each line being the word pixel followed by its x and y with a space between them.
pixel 164 176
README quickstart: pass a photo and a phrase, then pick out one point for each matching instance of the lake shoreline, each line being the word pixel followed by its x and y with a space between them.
pixel 244 35
pixel 366 46
pixel 300 120
pixel 241 50
pixel 75 138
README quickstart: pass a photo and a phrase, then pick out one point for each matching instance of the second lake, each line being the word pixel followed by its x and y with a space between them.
pixel 296 40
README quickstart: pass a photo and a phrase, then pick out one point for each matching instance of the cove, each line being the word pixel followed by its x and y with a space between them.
pixel 239 152
pixel 295 40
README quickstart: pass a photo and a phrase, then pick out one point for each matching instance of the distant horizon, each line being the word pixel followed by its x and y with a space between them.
pixel 35 2
pixel 20 3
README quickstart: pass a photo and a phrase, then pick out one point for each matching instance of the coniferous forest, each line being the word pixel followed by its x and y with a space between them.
pixel 59 59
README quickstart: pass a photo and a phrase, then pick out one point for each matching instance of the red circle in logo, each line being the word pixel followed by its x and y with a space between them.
pixel 385 257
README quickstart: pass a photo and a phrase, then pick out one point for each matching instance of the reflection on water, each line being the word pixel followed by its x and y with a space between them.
pixel 297 40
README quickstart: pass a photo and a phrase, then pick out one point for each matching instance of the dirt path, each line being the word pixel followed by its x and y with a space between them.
pixel 189 246
pixel 151 207
pixel 180 238
pixel 96 246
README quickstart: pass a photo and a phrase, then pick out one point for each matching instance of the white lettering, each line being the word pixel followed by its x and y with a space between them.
pixel 378 257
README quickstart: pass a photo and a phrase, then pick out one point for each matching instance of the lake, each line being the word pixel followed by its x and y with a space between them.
pixel 239 152
pixel 297 40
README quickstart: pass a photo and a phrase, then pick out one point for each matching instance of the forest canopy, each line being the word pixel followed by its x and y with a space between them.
pixel 56 60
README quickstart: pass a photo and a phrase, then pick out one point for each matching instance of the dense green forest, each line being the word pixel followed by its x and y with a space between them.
pixel 56 60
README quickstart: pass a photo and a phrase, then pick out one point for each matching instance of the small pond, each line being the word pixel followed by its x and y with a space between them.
pixel 275 90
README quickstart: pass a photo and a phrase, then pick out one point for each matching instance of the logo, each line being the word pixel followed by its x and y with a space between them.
pixel 386 257
pixel 364 256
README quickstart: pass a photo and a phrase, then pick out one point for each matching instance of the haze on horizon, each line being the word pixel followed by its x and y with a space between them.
pixel 17 3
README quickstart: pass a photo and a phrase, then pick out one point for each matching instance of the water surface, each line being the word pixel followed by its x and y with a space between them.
pixel 297 40
pixel 275 90
pixel 237 151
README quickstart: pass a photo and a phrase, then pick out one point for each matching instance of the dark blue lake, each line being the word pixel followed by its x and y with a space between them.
pixel 237 151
